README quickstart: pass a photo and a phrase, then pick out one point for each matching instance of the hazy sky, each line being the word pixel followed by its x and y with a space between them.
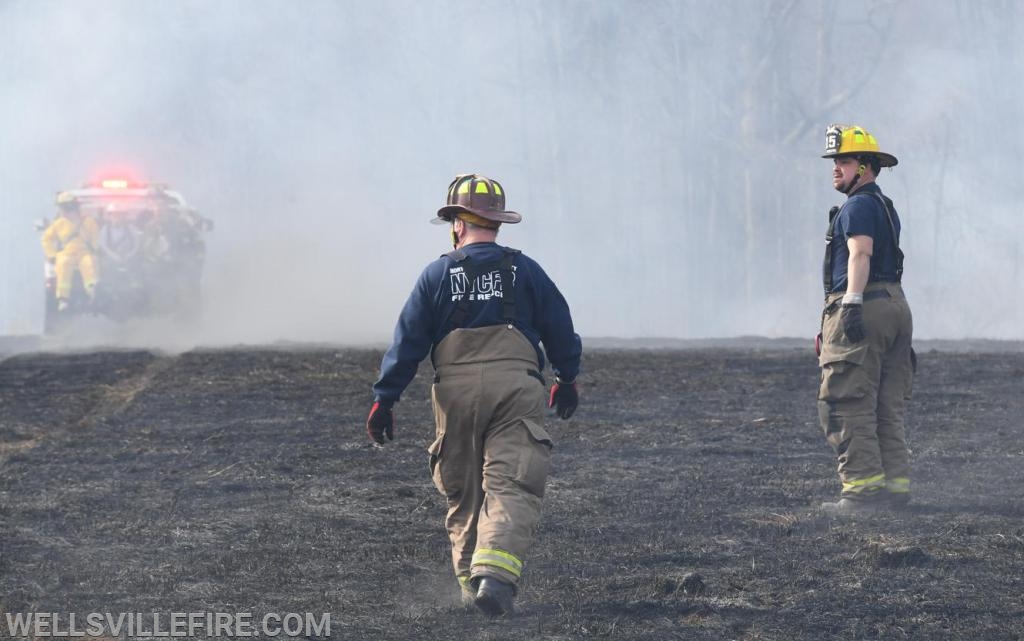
pixel 665 155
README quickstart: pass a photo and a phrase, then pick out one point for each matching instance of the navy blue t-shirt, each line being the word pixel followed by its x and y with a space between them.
pixel 541 314
pixel 863 215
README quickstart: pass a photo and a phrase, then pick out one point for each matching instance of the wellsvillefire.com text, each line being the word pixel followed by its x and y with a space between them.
pixel 166 625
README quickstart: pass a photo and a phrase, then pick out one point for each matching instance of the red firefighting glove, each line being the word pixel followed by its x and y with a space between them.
pixel 852 317
pixel 564 398
pixel 381 422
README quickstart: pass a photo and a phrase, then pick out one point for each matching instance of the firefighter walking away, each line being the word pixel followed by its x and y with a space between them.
pixel 483 313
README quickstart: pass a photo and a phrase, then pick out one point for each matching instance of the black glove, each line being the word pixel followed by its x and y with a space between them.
pixel 381 422
pixel 852 317
pixel 564 398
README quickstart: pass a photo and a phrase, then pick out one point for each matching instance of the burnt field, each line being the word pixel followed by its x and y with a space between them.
pixel 242 481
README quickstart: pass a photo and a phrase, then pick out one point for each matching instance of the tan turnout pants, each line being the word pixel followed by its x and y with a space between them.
pixel 491 455
pixel 863 391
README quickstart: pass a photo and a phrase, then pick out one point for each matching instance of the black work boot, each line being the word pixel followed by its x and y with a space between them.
pixel 494 597
pixel 848 506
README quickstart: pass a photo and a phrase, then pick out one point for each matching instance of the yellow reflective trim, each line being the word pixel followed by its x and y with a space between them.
pixel 464 582
pixel 499 564
pixel 481 188
pixel 497 189
pixel 500 553
pixel 500 559
pixel 898 485
pixel 871 480
pixel 464 187
pixel 860 485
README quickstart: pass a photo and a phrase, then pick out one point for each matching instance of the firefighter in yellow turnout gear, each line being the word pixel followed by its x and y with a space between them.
pixel 69 243
pixel 865 357
pixel 482 311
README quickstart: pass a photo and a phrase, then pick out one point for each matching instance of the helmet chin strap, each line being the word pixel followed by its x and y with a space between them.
pixel 853 183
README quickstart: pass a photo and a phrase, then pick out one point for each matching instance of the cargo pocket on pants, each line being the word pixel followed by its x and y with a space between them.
pixel 535 460
pixel 842 373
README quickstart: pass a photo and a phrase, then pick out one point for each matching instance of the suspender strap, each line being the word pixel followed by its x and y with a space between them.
pixel 887 206
pixel 473 271
pixel 508 290
pixel 829 235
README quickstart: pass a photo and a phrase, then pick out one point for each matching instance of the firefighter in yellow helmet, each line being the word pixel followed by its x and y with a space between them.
pixel 865 342
pixel 482 312
pixel 69 244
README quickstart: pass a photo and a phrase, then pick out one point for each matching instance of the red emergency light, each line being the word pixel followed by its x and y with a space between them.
pixel 114 183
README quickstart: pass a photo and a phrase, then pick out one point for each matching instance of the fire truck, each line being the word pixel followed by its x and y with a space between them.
pixel 148 247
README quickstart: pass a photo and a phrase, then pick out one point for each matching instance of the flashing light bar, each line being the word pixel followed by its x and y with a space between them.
pixel 118 183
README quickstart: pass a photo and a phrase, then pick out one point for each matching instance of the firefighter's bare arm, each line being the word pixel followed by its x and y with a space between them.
pixel 858 268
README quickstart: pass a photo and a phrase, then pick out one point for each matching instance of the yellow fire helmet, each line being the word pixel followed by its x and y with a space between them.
pixel 66 200
pixel 854 140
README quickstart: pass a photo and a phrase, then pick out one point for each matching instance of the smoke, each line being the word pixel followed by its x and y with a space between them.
pixel 664 155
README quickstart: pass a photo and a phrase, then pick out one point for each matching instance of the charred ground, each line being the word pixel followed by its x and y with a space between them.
pixel 241 480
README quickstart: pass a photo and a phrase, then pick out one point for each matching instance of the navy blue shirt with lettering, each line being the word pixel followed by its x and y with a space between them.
pixel 541 314
pixel 863 215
